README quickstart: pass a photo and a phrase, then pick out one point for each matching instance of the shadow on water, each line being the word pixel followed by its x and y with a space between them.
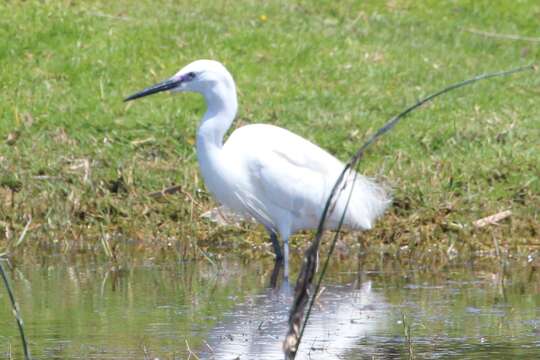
pixel 84 310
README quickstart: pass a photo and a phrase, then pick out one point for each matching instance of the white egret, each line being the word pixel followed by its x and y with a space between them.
pixel 265 171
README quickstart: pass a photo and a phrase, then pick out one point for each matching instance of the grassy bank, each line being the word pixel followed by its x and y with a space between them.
pixel 77 164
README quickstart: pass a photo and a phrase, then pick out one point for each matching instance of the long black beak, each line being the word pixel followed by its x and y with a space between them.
pixel 162 86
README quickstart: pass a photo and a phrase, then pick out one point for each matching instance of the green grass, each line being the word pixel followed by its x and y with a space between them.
pixel 81 162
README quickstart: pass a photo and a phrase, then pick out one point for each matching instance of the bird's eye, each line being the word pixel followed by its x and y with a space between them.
pixel 190 76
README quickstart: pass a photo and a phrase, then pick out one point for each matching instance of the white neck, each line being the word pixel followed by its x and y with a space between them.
pixel 221 110
pixel 222 105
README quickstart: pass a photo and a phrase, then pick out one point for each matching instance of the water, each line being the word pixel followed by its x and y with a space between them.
pixel 85 310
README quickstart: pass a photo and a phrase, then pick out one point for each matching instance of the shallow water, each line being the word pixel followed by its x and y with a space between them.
pixel 97 311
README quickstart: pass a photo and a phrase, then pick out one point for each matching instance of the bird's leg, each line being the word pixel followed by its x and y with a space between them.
pixel 275 274
pixel 286 259
pixel 277 248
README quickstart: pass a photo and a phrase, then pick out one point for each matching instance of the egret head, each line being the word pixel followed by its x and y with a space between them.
pixel 201 76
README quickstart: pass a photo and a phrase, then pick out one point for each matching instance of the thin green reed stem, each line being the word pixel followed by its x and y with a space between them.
pixel 15 309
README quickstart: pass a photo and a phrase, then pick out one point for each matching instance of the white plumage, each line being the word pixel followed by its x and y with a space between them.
pixel 264 171
pixel 285 180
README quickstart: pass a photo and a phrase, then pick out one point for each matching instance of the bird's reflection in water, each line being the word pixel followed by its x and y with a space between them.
pixel 254 329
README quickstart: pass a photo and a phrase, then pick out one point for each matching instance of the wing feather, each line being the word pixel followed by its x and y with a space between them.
pixel 290 179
